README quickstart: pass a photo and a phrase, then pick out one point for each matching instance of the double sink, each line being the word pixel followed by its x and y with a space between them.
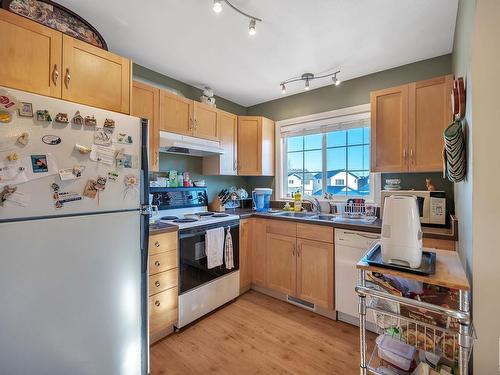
pixel 325 217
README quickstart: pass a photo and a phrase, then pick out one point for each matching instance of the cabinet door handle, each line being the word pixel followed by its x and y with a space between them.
pixel 67 79
pixel 293 250
pixel 157 244
pixel 157 284
pixel 55 74
pixel 191 124
pixel 157 264
pixel 195 124
pixel 404 154
pixel 157 157
pixel 411 153
pixel 157 303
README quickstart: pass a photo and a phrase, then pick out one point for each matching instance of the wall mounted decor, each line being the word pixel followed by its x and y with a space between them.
pixel 55 16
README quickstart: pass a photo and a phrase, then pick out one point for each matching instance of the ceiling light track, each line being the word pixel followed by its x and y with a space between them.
pixel 253 19
pixel 307 78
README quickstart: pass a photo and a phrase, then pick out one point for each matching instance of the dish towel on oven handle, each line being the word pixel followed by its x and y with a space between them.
pixel 228 251
pixel 214 247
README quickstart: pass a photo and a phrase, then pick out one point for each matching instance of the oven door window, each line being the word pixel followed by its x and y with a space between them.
pixel 193 260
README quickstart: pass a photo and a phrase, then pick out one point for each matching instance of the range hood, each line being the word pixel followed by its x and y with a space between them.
pixel 181 144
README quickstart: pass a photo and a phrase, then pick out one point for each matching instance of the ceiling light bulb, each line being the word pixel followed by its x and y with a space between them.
pixel 217 6
pixel 335 80
pixel 251 27
pixel 306 87
pixel 283 88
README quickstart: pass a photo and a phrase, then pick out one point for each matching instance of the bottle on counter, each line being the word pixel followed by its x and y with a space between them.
pixel 297 202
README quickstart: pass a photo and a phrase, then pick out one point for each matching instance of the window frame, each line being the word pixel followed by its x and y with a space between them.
pixel 317 123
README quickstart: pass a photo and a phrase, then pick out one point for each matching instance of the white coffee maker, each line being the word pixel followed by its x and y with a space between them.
pixel 401 239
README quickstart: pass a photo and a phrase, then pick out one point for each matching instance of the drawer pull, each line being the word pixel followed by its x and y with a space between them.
pixel 157 244
pixel 157 264
pixel 157 303
pixel 157 283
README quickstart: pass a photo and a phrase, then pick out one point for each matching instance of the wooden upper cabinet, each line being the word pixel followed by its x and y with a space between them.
pixel 255 146
pixel 315 277
pixel 206 125
pixel 224 164
pixel 258 250
pixel 281 263
pixel 32 56
pixel 95 77
pixel 429 115
pixel 389 129
pixel 176 113
pixel 146 104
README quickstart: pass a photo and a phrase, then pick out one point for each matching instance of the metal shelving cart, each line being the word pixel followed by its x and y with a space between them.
pixel 453 344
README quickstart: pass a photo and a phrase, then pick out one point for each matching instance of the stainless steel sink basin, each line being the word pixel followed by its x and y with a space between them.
pixel 303 215
pixel 323 217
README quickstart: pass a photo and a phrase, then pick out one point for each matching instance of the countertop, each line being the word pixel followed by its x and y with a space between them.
pixel 375 227
pixel 159 227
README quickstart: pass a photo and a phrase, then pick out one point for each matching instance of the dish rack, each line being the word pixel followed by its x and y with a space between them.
pixel 452 343
pixel 355 209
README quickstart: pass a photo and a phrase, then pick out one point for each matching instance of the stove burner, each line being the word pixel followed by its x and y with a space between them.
pixel 202 214
pixel 169 218
pixel 220 215
pixel 185 220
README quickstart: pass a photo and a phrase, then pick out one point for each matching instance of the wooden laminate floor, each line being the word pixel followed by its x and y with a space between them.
pixel 258 334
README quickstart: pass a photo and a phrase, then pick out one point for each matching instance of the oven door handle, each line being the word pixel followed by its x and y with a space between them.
pixel 203 232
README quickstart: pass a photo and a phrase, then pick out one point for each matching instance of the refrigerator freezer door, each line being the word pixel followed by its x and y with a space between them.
pixel 37 193
pixel 70 292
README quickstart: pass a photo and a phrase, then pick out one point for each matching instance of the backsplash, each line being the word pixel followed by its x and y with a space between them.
pixel 416 181
pixel 194 165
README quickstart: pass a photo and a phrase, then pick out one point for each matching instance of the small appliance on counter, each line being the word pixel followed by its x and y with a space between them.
pixel 401 239
pixel 431 205
pixel 262 199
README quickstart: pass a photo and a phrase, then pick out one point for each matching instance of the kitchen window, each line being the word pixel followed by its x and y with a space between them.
pixel 327 156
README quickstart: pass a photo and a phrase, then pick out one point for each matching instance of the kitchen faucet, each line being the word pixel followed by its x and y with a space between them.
pixel 316 206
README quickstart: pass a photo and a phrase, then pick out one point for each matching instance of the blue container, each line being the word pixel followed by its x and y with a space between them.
pixel 262 199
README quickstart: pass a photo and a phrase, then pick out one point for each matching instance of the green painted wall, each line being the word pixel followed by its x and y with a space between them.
pixel 147 75
pixel 352 92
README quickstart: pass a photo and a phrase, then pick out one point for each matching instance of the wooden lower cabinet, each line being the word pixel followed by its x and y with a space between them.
pixel 281 263
pixel 437 243
pixel 315 278
pixel 163 284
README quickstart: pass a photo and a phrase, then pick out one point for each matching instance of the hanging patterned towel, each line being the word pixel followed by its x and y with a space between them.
pixel 454 152
pixel 228 251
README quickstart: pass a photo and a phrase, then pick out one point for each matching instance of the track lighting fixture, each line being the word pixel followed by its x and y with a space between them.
pixel 251 27
pixel 307 78
pixel 217 6
pixel 253 20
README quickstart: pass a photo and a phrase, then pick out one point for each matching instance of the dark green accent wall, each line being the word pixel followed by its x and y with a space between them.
pixel 147 75
pixel 352 92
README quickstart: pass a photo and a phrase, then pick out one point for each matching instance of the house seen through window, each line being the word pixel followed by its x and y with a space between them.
pixel 335 162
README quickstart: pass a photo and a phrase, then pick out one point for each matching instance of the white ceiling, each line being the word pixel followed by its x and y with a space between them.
pixel 186 40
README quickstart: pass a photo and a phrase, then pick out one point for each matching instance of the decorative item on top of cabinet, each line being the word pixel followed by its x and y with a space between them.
pixel 225 164
pixel 407 124
pixel 146 104
pixel 57 17
pixel 95 77
pixel 255 146
pixel 35 56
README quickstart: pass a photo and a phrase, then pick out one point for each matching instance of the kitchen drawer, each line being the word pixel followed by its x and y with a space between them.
pixel 162 262
pixel 315 232
pixel 159 243
pixel 163 281
pixel 285 228
pixel 163 310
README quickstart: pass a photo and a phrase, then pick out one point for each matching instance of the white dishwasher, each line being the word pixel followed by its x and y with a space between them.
pixel 350 246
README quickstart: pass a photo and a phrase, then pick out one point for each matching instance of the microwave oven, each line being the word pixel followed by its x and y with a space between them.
pixel 431 204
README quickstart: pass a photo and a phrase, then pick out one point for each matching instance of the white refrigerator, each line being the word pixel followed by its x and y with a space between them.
pixel 73 266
